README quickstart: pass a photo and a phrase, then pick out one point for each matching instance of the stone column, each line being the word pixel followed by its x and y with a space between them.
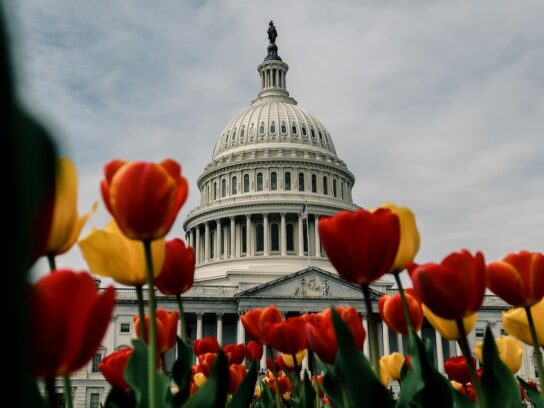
pixel 249 251
pixel 399 344
pixel 263 359
pixel 217 240
pixel 232 238
pixel 240 333
pixel 300 237
pixel 206 242
pixel 439 352
pixel 198 255
pixel 199 325
pixel 219 335
pixel 366 347
pixel 283 235
pixel 188 238
pixel 317 241
pixel 385 339
pixel 265 231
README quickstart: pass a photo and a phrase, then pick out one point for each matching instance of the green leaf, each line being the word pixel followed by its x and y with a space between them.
pixel 307 397
pixel 332 387
pixel 499 385
pixel 244 395
pixel 361 385
pixel 181 372
pixel 423 384
pixel 460 400
pixel 119 399
pixel 267 398
pixel 214 392
pixel 532 395
pixel 136 377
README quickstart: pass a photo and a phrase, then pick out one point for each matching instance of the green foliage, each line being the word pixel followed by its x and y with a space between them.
pixel 244 395
pixel 305 395
pixel 423 385
pixel 532 394
pixel 360 386
pixel 499 385
pixel 181 372
pixel 119 399
pixel 214 392
pixel 136 377
pixel 267 399
pixel 460 400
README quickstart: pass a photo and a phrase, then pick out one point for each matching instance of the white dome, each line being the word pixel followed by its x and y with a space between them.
pixel 273 120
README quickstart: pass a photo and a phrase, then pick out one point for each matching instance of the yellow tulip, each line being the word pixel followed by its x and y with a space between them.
pixel 516 324
pixel 288 359
pixel 510 352
pixel 456 385
pixel 391 367
pixel 409 236
pixel 200 379
pixel 448 328
pixel 109 253
pixel 65 225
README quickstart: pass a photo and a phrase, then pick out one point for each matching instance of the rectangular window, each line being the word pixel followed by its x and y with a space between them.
pixel 95 400
pixel 125 328
pixel 58 400
pixel 96 362
pixel 479 333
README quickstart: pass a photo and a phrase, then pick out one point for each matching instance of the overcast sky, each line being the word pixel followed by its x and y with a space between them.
pixel 438 106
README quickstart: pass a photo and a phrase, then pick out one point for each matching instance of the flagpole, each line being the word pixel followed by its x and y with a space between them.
pixel 307 232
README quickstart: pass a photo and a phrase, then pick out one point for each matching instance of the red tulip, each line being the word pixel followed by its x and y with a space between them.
pixel 237 373
pixel 283 381
pixel 361 245
pixel 205 363
pixel 254 350
pixel 288 336
pixel 321 336
pixel 454 288
pixel 257 322
pixel 518 279
pixel 392 311
pixel 167 326
pixel 208 344
pixel 144 198
pixel 113 368
pixel 458 369
pixel 178 270
pixel 235 353
pixel 68 319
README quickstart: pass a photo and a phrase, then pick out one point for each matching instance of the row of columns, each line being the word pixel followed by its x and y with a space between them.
pixel 194 238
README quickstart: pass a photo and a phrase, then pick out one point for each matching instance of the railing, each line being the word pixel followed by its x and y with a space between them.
pixel 196 290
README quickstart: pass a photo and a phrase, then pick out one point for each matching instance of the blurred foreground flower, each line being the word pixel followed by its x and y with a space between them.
pixel 392 312
pixel 257 322
pixel 458 369
pixel 113 367
pixel 516 324
pixel 178 270
pixel 68 319
pixel 109 253
pixel 65 225
pixel 391 367
pixel 448 328
pixel 144 198
pixel 510 352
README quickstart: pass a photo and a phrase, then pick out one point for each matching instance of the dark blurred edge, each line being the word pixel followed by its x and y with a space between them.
pixel 27 159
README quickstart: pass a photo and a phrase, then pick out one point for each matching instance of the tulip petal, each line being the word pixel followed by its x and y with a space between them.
pixel 516 323
pixel 504 280
pixel 448 328
pixel 76 229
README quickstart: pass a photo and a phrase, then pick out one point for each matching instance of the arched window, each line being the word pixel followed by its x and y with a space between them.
pixel 275 237
pixel 223 188
pixel 246 183
pixel 273 128
pixel 273 181
pixel 304 130
pixel 233 137
pixel 215 190
pixel 259 181
pixel 290 237
pixel 259 235
pixel 334 187
pixel 313 133
pixel 252 129
pixel 294 129
pixel 300 181
pixel 325 185
pixel 314 183
pixel 287 181
pixel 234 185
pixel 227 139
pixel 283 128
pixel 244 239
pixel 242 133
pixel 261 128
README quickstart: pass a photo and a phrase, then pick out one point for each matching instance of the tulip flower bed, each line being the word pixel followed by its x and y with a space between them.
pixel 69 318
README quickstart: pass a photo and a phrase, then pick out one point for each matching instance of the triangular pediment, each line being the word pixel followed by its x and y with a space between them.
pixel 309 283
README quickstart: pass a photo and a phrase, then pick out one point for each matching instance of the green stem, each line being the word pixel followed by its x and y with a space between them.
pixel 270 353
pixel 152 350
pixel 52 263
pixel 311 363
pixel 372 333
pixel 50 387
pixel 405 307
pixel 182 319
pixel 465 349
pixel 537 352
pixel 141 314
pixel 67 391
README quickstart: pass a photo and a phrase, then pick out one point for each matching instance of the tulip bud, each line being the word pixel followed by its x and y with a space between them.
pixel 392 311
pixel 178 270
pixel 391 367
pixel 113 368
pixel 448 328
pixel 458 369
pixel 510 352
pixel 516 324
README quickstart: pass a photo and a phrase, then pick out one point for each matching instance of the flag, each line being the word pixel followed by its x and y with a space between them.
pixel 303 213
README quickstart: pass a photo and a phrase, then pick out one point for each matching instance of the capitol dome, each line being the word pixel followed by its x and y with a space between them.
pixel 270 162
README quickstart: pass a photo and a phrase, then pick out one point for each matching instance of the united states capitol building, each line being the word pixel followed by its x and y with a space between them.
pixel 273 173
